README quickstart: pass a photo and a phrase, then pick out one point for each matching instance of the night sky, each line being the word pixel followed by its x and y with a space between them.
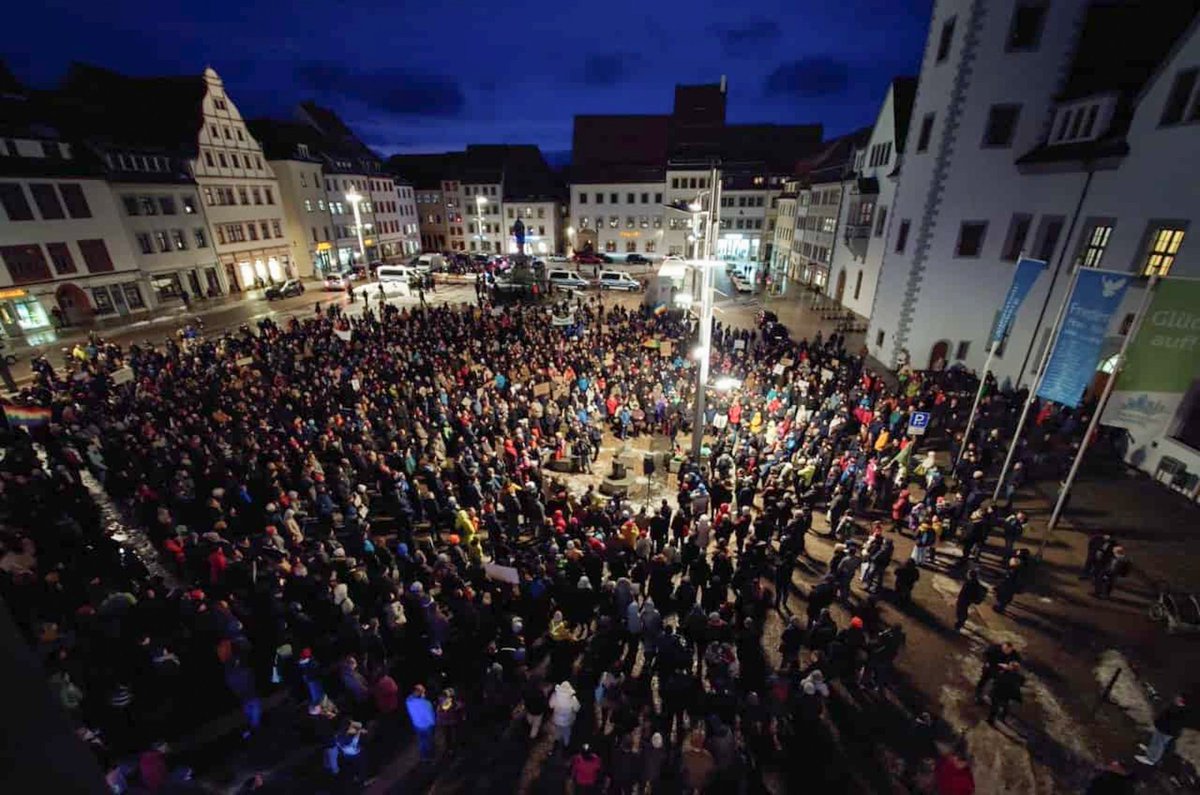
pixel 417 77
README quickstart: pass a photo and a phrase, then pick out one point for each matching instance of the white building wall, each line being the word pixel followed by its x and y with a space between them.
pixel 169 236
pixel 633 224
pixel 230 159
pixel 306 213
pixel 926 294
pixel 543 226
pixel 410 227
pixel 39 296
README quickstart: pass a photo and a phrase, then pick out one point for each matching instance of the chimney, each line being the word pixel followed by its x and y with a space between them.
pixel 722 84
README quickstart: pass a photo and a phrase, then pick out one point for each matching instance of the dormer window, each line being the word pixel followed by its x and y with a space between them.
pixel 1080 121
pixel 302 150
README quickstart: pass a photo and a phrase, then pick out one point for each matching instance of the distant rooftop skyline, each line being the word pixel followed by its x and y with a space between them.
pixel 441 76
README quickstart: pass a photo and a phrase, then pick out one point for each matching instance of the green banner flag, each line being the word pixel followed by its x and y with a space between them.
pixel 1165 355
pixel 1162 362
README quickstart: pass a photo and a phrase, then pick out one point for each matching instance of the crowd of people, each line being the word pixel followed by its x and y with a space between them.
pixel 367 514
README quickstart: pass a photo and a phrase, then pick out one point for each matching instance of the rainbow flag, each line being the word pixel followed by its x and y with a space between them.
pixel 26 416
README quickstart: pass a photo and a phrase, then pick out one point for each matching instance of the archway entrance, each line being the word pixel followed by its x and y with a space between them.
pixel 841 286
pixel 937 356
pixel 74 303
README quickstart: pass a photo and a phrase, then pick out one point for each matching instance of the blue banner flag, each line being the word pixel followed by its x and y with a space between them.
pixel 1027 273
pixel 1096 296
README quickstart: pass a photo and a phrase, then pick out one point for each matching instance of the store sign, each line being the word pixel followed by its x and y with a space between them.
pixel 13 293
pixel 324 246
pixel 631 234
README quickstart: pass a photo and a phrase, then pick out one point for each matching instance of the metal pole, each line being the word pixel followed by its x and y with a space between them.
pixel 987 366
pixel 1037 382
pixel 362 251
pixel 1108 388
pixel 705 342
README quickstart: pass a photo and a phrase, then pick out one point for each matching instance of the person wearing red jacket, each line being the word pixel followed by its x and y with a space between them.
pixel 952 774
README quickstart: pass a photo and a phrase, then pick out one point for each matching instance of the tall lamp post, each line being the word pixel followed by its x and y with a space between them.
pixel 355 199
pixel 705 246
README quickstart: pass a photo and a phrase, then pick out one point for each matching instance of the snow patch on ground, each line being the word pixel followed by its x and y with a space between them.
pixel 1130 695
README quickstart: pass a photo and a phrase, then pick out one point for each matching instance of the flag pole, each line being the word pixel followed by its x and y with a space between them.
pixel 1037 381
pixel 987 367
pixel 1104 395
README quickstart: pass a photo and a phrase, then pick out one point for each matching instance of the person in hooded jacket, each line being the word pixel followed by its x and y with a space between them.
pixel 564 707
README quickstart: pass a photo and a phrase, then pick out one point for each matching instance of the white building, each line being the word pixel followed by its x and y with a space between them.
pixel 406 212
pixel 63 245
pixel 1029 136
pixel 869 194
pixel 620 218
pixel 781 266
pixel 240 194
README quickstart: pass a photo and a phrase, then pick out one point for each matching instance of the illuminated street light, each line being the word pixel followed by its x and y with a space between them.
pixel 480 203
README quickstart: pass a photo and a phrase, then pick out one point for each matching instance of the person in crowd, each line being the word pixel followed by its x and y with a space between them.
pixel 1168 725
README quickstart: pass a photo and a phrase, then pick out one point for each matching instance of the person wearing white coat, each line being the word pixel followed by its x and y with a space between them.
pixel 565 707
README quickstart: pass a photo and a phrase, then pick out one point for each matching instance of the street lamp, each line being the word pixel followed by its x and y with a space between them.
pixel 355 198
pixel 570 240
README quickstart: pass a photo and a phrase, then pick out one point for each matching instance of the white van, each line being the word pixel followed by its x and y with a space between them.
pixel 429 262
pixel 618 280
pixel 395 273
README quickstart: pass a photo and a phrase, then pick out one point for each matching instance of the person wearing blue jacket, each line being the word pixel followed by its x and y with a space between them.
pixel 424 720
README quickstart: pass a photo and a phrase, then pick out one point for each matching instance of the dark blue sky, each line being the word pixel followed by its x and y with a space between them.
pixel 414 77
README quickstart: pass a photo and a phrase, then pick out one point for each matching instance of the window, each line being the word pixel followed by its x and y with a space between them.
pixel 658 222
pixel 222 160
pixel 257 195
pixel 13 198
pixel 1165 237
pixel 46 200
pixel 189 205
pixel 1049 231
pixel 95 255
pixel 1093 243
pixel 644 221
pixel 629 222
pixel 880 222
pixel 964 347
pixel 102 300
pixel 276 229
pixel 253 230
pixel 144 243
pixel 658 198
pixel 630 246
pixel 270 196
pixel 60 255
pixel 1018 231
pixel 1001 125
pixel 674 183
pixel 133 296
pixel 208 159
pixel 200 238
pixel 970 238
pixel 599 198
pixel 178 240
pixel 541 212
pixel 320 204
pixel 1026 29
pixel 221 235
pixel 72 195
pixel 610 246
pixel 879 338
pixel 25 263
pixel 243 196
pixel 160 238
pixel 829 225
pixel 946 39
pixel 926 133
pixel 612 198
pixel 240 137
pixel 858 285
pixel 865 210
pixel 308 205
pixel 1177 100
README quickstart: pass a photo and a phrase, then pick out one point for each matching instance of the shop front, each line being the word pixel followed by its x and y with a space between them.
pixel 322 256
pixel 21 313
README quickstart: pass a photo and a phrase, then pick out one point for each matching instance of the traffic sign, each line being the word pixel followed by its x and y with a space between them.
pixel 918 421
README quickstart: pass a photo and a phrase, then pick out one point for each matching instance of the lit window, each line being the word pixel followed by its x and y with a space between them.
pixel 1164 245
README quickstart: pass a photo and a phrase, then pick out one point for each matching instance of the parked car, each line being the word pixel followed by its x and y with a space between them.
pixel 286 290
pixel 589 258
pixel 396 273
pixel 636 259
pixel 563 279
pixel 338 281
pixel 618 280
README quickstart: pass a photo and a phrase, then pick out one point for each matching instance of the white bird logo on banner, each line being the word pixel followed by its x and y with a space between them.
pixel 1111 287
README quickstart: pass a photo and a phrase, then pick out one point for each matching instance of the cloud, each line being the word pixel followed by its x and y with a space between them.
pixel 817 76
pixel 746 39
pixel 602 70
pixel 394 91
